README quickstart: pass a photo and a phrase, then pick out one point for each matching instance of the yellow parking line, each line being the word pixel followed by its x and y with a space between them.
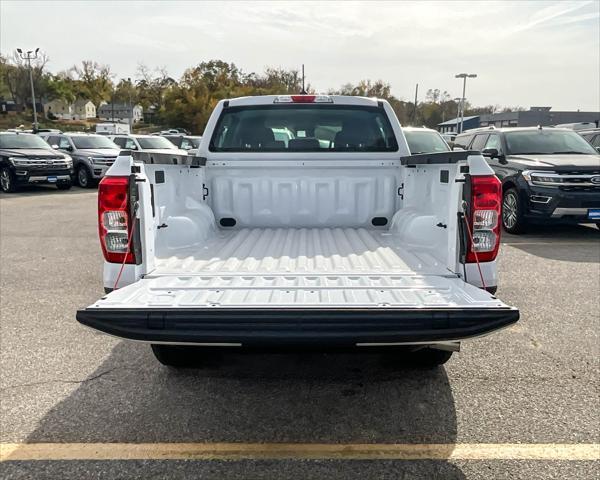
pixel 234 451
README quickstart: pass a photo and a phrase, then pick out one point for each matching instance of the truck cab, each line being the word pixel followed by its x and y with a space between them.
pixel 338 237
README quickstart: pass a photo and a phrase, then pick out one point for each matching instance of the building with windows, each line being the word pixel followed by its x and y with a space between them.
pixel 533 117
pixel 83 109
pixel 121 112
pixel 453 125
pixel 543 116
pixel 58 108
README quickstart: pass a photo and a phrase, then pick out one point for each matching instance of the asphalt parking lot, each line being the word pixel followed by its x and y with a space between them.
pixel 534 383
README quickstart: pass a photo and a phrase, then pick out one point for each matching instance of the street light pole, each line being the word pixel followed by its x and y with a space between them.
pixel 29 56
pixel 458 102
pixel 462 103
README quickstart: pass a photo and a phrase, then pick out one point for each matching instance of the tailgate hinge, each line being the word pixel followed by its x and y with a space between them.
pixel 204 191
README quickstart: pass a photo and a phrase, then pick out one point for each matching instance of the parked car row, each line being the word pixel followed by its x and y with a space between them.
pixel 62 159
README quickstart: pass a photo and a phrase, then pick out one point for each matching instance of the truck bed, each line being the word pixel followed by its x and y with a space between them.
pixel 331 251
pixel 299 268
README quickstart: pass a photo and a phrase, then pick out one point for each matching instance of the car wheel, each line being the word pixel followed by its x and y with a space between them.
pixel 64 185
pixel 177 356
pixel 7 182
pixel 512 215
pixel 84 178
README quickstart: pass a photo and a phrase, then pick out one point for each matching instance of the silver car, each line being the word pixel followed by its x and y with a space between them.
pixel 92 154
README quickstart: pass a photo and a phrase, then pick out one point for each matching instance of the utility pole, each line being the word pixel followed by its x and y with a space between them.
pixel 464 76
pixel 130 107
pixel 303 92
pixel 415 109
pixel 29 56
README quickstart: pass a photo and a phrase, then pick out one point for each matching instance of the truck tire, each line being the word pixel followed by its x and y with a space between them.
pixel 84 177
pixel 512 212
pixel 7 181
pixel 64 185
pixel 176 356
pixel 429 357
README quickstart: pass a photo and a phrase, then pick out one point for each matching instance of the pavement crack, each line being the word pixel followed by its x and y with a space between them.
pixel 69 382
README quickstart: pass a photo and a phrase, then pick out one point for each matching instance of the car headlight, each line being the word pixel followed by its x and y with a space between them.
pixel 545 179
pixel 18 161
pixel 68 161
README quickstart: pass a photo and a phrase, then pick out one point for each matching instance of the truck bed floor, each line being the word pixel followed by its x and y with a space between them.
pixel 299 250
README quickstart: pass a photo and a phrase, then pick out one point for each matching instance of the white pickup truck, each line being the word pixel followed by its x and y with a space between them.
pixel 332 235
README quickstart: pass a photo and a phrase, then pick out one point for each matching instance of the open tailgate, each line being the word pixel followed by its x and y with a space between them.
pixel 298 309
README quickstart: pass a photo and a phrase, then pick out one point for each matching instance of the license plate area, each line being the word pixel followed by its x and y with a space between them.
pixel 594 213
pixel 52 179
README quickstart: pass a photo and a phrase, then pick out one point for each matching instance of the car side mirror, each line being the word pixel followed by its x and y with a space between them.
pixel 55 147
pixel 598 148
pixel 493 153
pixel 69 148
pixel 490 152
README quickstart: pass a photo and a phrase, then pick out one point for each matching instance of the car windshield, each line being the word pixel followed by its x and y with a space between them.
pixel 546 142
pixel 22 140
pixel 149 143
pixel 93 141
pixel 424 141
pixel 302 128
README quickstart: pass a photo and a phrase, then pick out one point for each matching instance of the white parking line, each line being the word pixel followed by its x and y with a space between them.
pixel 235 451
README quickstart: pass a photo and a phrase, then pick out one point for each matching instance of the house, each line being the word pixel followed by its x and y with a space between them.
pixel 537 116
pixel 453 125
pixel 8 107
pixel 121 112
pixel 58 108
pixel 83 109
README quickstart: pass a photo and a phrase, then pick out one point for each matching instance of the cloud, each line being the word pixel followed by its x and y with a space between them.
pixel 525 52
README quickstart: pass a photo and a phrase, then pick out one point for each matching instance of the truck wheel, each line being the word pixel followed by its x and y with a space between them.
pixel 84 178
pixel 64 185
pixel 7 182
pixel 429 357
pixel 177 356
pixel 512 215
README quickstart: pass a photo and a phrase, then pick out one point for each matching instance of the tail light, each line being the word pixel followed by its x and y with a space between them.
pixel 486 199
pixel 114 222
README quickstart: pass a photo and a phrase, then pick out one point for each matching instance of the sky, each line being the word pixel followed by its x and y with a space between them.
pixel 524 53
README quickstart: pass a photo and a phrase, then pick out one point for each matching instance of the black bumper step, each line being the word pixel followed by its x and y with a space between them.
pixel 277 327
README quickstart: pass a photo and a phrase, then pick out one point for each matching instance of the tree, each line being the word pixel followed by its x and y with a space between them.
pixel 15 73
pixel 94 81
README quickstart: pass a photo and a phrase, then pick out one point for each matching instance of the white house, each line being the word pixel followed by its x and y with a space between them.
pixel 121 112
pixel 58 108
pixel 83 109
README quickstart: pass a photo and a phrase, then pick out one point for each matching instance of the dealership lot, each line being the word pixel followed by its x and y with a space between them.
pixel 535 383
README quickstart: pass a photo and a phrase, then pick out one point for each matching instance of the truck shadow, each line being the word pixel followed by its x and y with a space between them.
pixel 42 190
pixel 570 243
pixel 313 398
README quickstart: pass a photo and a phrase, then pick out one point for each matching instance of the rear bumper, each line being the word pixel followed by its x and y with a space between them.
pixel 297 327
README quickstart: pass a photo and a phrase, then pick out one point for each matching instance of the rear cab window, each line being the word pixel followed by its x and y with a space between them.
pixel 301 128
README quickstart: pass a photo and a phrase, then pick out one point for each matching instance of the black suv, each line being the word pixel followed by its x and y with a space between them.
pixel 548 174
pixel 26 159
